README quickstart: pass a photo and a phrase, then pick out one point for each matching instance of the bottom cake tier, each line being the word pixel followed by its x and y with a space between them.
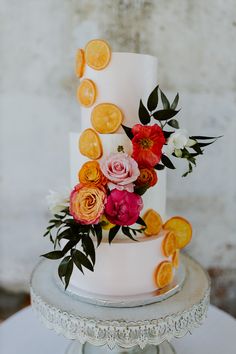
pixel 124 267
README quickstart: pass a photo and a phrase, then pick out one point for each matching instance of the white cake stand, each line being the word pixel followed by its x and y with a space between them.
pixel 144 329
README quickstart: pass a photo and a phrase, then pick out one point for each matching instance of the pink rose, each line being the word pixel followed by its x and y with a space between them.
pixel 123 207
pixel 121 171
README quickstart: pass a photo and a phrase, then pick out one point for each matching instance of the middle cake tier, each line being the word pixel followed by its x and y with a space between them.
pixel 154 197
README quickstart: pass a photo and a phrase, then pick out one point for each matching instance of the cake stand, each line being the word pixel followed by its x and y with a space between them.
pixel 142 329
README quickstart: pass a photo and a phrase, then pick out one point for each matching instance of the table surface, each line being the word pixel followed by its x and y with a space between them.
pixel 24 334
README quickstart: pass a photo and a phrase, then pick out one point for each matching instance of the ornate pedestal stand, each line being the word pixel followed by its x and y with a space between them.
pixel 144 329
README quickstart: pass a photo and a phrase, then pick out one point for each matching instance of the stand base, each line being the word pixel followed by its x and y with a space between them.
pixel 77 348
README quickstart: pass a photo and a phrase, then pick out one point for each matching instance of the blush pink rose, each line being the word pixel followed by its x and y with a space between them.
pixel 121 170
pixel 123 207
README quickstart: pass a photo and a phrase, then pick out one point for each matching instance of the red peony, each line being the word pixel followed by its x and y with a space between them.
pixel 123 207
pixel 147 144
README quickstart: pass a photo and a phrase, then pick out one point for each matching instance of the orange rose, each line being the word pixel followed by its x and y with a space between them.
pixel 91 174
pixel 147 177
pixel 87 203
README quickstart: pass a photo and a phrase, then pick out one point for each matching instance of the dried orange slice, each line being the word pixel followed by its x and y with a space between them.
pixel 86 93
pixel 79 63
pixel 97 54
pixel 164 274
pixel 106 118
pixel 153 221
pixel 182 229
pixel 90 144
pixel 169 244
pixel 175 259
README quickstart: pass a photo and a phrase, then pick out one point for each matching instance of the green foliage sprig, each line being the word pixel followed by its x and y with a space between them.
pixel 64 227
pixel 164 117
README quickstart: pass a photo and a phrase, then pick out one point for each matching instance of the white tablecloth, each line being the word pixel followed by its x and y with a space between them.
pixel 24 334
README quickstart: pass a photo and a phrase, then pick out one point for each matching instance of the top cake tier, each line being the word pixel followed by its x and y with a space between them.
pixel 128 78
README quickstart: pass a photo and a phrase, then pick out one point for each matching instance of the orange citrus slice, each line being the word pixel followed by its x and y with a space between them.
pixel 90 144
pixel 182 229
pixel 106 118
pixel 153 221
pixel 97 54
pixel 86 93
pixel 79 63
pixel 164 274
pixel 175 259
pixel 169 244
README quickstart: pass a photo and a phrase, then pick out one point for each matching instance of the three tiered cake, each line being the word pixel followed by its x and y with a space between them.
pixel 112 230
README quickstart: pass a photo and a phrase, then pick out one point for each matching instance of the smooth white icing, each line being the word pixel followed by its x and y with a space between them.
pixel 128 78
pixel 155 197
pixel 123 268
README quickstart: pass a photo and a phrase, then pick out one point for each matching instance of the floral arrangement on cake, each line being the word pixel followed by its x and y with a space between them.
pixel 108 196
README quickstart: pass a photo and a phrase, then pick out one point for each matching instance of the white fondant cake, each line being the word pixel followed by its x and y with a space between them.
pixel 125 267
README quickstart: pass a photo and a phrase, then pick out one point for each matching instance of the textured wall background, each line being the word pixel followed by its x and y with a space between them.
pixel 195 41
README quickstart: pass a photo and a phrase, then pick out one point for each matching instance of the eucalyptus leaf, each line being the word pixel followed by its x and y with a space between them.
pixel 53 255
pixel 63 266
pixel 140 221
pixel 173 123
pixel 68 273
pixel 164 114
pixel 128 131
pixel 167 162
pixel 153 99
pixel 112 233
pixel 164 100
pixel 98 231
pixel 80 258
pixel 200 137
pixel 174 104
pixel 89 248
pixel 126 231
pixel 206 144
pixel 159 167
pixel 140 190
pixel 143 113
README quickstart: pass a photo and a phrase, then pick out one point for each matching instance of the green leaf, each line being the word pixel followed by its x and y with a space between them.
pixel 166 161
pixel 89 248
pixel 70 244
pixel 197 148
pixel 46 233
pixel 159 167
pixel 153 99
pixel 174 104
pixel 79 258
pixel 140 221
pixel 164 114
pixel 98 231
pixel 143 113
pixel 206 144
pixel 66 234
pixel 112 233
pixel 173 123
pixel 200 137
pixel 164 100
pixel 68 273
pixel 126 231
pixel 167 134
pixel 140 190
pixel 53 255
pixel 63 267
pixel 128 131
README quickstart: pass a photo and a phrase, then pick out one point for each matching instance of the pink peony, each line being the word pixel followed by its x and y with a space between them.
pixel 123 207
pixel 121 171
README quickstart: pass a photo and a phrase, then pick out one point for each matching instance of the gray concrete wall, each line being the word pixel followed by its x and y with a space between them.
pixel 195 43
